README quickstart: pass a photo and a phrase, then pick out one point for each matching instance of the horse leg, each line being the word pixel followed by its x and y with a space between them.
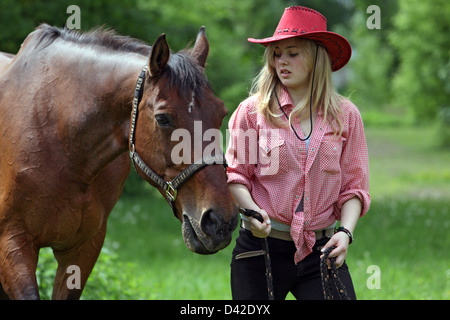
pixel 18 262
pixel 75 266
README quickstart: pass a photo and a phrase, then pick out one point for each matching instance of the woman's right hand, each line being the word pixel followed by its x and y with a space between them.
pixel 245 200
pixel 258 229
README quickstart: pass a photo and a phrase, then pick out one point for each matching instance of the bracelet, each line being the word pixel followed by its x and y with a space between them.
pixel 342 229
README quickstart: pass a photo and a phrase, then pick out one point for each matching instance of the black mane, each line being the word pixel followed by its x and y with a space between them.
pixel 187 75
pixel 182 71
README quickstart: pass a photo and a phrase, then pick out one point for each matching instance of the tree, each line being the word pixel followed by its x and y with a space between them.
pixel 420 37
pixel 374 60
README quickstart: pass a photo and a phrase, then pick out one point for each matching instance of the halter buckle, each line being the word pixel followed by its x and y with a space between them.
pixel 171 196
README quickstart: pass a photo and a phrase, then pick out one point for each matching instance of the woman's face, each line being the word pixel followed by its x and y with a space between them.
pixel 289 64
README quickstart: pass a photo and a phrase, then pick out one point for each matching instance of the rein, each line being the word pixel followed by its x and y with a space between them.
pixel 171 187
pixel 265 245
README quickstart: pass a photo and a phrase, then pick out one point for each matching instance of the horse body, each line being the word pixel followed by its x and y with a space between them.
pixel 65 104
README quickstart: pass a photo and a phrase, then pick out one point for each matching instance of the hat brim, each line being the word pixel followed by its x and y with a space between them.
pixel 338 48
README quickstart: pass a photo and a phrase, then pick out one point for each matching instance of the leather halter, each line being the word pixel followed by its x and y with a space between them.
pixel 171 187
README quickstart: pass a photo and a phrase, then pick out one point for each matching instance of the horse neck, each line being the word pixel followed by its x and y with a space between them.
pixel 102 99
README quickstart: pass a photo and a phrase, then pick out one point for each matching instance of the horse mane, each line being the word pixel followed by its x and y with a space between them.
pixel 102 37
pixel 181 71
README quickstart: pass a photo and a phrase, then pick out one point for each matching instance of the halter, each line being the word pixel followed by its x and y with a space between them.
pixel 171 188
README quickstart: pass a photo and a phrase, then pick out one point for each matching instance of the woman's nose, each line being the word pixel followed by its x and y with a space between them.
pixel 283 61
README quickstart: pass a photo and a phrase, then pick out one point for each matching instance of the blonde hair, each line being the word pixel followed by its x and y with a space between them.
pixel 323 96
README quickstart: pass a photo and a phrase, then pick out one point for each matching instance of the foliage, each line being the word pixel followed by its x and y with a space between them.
pixel 405 64
pixel 421 39
pixel 110 279
pixel 374 59
pixel 444 127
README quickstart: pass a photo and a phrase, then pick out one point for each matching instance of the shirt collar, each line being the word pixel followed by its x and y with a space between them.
pixel 285 98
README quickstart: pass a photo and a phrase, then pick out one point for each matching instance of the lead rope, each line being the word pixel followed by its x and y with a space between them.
pixel 265 247
pixel 330 277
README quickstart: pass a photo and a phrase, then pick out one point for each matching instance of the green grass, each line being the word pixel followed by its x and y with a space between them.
pixel 405 234
pixel 406 239
pixel 167 269
pixel 408 162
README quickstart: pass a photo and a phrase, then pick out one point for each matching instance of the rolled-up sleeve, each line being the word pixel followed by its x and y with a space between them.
pixel 354 165
pixel 240 156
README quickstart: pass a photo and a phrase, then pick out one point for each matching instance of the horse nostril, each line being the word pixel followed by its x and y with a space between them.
pixel 210 222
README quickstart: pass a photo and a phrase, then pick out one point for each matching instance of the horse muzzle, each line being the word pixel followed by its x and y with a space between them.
pixel 209 234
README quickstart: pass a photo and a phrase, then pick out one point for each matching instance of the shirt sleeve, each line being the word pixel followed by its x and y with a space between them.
pixel 240 158
pixel 354 165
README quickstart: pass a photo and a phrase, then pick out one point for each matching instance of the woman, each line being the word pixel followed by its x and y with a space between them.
pixel 298 156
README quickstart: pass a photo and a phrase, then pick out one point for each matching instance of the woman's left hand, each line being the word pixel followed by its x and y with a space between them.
pixel 341 241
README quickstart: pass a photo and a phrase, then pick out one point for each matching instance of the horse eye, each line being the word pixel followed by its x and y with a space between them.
pixel 164 120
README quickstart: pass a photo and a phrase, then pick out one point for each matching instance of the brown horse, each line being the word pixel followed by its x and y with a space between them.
pixel 66 103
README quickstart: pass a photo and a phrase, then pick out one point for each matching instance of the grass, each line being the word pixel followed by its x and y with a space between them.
pixel 405 234
pixel 408 161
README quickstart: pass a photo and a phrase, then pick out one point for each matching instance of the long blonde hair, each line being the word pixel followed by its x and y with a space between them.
pixel 324 95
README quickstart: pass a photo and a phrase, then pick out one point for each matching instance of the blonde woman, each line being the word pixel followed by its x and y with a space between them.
pixel 298 156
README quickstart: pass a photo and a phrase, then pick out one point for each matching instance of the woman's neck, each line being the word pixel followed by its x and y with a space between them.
pixel 298 94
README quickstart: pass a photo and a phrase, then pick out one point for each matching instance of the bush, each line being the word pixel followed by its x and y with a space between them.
pixel 444 127
pixel 111 279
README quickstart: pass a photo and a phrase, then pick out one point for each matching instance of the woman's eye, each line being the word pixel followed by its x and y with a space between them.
pixel 292 55
pixel 164 120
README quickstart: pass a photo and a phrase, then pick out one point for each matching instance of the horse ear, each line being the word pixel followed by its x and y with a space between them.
pixel 201 48
pixel 159 56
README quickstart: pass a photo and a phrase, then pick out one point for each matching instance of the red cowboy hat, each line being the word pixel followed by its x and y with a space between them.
pixel 307 23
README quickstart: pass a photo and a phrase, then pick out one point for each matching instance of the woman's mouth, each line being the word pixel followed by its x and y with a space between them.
pixel 284 73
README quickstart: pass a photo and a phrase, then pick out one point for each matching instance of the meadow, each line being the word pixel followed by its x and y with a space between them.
pixel 400 249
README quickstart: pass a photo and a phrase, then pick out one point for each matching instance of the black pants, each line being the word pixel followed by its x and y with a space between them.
pixel 248 280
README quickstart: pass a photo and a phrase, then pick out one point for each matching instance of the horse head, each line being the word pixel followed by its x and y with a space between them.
pixel 176 134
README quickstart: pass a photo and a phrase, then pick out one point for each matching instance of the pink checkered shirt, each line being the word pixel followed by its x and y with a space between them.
pixel 279 170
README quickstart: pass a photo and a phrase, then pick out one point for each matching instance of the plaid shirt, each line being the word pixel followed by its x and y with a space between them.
pixel 279 170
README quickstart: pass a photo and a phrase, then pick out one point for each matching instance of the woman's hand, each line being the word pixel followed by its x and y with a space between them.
pixel 245 200
pixel 350 212
pixel 341 241
pixel 258 229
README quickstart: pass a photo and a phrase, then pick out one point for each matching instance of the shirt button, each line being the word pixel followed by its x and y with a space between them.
pixel 296 197
pixel 301 149
pixel 306 198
